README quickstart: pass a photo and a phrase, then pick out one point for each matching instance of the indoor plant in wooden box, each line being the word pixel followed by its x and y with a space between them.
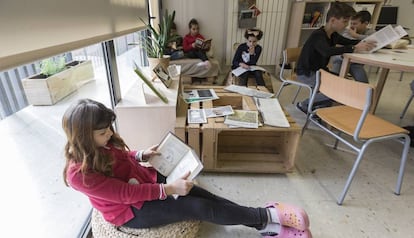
pixel 56 80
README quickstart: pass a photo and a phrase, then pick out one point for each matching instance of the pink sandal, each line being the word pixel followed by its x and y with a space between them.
pixel 290 232
pixel 291 216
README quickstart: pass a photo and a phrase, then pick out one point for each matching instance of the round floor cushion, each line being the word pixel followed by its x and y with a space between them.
pixel 104 229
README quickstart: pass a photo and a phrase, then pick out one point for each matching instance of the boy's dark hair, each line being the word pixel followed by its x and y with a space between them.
pixel 340 10
pixel 173 26
pixel 253 32
pixel 192 22
pixel 363 16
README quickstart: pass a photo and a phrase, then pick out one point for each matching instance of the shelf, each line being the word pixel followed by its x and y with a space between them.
pixel 302 13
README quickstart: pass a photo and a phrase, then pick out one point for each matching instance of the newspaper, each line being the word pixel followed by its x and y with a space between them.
pixel 240 70
pixel 199 95
pixel 243 118
pixel 248 91
pixel 272 112
pixel 385 36
pixel 219 111
pixel 196 116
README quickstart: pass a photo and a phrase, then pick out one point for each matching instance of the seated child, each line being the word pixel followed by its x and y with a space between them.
pixel 248 54
pixel 358 30
pixel 100 165
pixel 175 48
pixel 190 47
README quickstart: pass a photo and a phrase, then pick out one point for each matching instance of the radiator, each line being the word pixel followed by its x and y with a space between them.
pixel 273 21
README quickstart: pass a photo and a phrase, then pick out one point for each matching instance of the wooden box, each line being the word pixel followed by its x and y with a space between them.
pixel 222 149
pixel 47 91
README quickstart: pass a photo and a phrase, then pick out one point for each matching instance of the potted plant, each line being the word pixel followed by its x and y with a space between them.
pixel 157 40
pixel 56 80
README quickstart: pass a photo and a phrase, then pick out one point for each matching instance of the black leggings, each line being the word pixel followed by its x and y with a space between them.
pixel 257 74
pixel 197 54
pixel 199 205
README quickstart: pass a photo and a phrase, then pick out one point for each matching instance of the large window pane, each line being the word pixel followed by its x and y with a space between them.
pixel 35 201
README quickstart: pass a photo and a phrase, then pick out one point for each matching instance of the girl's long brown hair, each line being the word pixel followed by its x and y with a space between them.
pixel 79 122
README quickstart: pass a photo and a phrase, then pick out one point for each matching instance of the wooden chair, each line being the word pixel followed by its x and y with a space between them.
pixel 351 117
pixel 290 57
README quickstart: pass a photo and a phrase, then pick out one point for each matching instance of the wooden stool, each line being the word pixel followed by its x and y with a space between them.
pixel 104 229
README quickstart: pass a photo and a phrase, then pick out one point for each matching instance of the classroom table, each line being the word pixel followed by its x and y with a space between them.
pixel 386 59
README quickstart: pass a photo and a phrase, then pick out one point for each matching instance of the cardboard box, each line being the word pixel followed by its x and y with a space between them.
pixel 222 149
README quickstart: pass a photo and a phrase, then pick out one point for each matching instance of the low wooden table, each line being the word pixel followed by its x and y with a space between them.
pixel 223 149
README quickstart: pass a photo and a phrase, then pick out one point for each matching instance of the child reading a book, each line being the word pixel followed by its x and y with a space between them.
pixel 324 43
pixel 100 165
pixel 190 46
pixel 247 54
pixel 175 48
pixel 358 30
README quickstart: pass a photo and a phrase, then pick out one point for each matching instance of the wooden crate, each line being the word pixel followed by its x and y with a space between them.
pixel 222 149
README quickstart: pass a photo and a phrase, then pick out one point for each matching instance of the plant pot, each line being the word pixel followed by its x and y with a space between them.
pixel 153 62
pixel 42 90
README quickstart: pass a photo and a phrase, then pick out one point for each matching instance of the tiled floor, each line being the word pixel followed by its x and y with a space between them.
pixel 370 208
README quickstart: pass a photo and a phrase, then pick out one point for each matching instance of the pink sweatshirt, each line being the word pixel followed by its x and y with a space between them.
pixel 189 40
pixel 130 185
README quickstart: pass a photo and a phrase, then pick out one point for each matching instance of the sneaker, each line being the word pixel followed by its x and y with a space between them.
pixel 301 108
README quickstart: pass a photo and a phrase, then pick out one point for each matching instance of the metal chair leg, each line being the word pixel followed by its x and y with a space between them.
pixel 406 106
pixel 296 95
pixel 352 174
pixel 407 141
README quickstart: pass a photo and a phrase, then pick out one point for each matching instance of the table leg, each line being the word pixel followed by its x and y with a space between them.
pixel 346 62
pixel 378 88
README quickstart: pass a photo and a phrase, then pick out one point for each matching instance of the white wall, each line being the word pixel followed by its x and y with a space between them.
pixel 211 16
pixel 217 21
pixel 405 14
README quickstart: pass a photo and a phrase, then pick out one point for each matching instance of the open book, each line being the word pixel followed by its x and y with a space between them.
pixel 385 36
pixel 203 44
pixel 271 111
pixel 248 91
pixel 176 159
pixel 240 70
pixel 243 118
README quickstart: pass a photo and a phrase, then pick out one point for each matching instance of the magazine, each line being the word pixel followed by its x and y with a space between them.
pixel 248 91
pixel 199 95
pixel 176 159
pixel 243 118
pixel 385 36
pixel 240 70
pixel 196 116
pixel 272 112
pixel 219 111
pixel 203 44
pixel 163 75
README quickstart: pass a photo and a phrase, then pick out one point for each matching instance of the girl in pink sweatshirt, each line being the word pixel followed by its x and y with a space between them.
pixel 100 165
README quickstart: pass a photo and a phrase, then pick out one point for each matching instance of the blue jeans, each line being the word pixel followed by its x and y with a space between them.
pixel 311 81
pixel 356 70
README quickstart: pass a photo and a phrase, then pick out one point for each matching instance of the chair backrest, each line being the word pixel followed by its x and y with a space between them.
pixel 290 57
pixel 348 92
